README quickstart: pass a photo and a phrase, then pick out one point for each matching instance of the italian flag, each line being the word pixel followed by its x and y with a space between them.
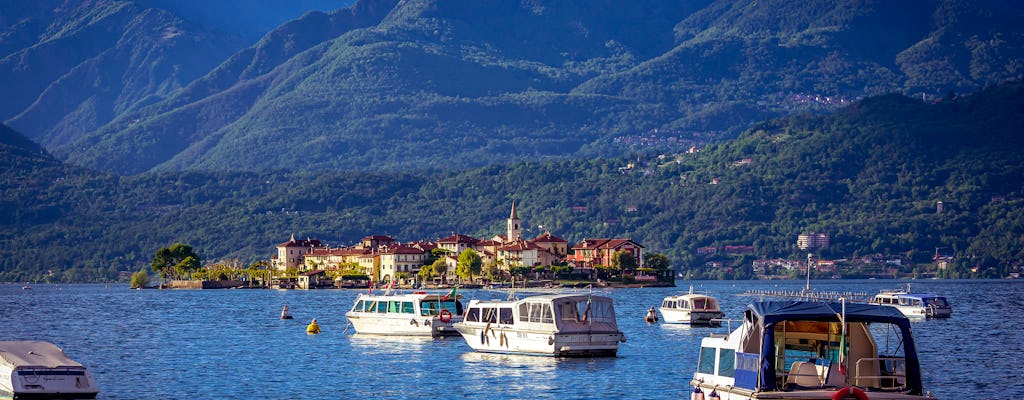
pixel 450 294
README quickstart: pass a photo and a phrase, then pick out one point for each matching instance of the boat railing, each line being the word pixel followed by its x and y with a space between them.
pixel 886 373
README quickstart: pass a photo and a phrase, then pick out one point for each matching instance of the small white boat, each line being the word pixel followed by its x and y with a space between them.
pixel 812 350
pixel 914 305
pixel 412 314
pixel 565 325
pixel 37 369
pixel 691 308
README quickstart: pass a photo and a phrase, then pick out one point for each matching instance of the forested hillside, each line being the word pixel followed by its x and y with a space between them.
pixel 130 86
pixel 869 176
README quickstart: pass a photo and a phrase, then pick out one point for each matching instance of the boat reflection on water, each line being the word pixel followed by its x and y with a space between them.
pixel 381 344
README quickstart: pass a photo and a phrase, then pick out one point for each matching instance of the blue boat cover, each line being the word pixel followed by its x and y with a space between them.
pixel 769 313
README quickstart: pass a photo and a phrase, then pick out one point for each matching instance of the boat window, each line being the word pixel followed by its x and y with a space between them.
pixel 407 307
pixel 473 315
pixel 433 307
pixel 938 302
pixel 699 304
pixel 727 362
pixel 546 316
pixel 505 315
pixel 684 304
pixel 539 312
pixel 524 312
pixel 602 311
pixel 490 315
pixel 570 311
pixel 706 361
pixel 371 306
pixel 394 306
pixel 358 307
pixel 813 342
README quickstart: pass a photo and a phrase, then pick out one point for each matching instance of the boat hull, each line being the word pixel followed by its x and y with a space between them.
pixel 47 383
pixel 676 316
pixel 735 393
pixel 543 343
pixel 395 325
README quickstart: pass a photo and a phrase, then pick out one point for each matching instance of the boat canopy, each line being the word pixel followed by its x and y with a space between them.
pixel 771 312
pixel 35 354
pixel 768 314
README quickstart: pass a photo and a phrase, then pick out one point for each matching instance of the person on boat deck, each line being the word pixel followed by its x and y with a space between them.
pixel 313 328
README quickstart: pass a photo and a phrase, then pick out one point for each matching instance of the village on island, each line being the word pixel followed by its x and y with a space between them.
pixel 466 261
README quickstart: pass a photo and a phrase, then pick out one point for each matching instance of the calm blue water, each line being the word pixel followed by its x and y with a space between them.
pixel 230 344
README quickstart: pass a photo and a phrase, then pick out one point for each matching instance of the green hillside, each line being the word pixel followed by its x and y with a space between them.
pixel 869 176
pixel 398 86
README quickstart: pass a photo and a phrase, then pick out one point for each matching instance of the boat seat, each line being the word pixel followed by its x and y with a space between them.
pixel 804 374
pixel 834 377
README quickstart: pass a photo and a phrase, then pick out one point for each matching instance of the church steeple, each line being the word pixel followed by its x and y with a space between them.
pixel 514 231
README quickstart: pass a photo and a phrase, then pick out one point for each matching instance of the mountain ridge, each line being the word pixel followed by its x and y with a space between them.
pixel 388 85
pixel 869 176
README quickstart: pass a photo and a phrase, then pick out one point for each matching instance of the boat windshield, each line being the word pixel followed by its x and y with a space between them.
pixel 703 304
pixel 811 354
pixel 937 301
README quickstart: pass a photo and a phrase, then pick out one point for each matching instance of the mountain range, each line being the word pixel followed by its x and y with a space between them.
pixel 886 178
pixel 134 86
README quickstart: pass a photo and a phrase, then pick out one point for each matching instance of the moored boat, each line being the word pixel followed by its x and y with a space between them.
pixel 564 325
pixel 812 350
pixel 38 369
pixel 915 305
pixel 691 308
pixel 410 314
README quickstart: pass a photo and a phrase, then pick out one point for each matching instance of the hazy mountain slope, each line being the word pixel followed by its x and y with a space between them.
pixel 491 73
pixel 250 18
pixel 193 115
pixel 97 59
pixel 763 59
pixel 389 85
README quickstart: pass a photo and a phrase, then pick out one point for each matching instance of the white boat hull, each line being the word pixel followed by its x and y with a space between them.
pixel 508 341
pixel 398 325
pixel 678 316
pixel 734 393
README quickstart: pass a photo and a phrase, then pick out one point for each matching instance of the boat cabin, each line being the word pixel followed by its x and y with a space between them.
pixel 411 306
pixel 575 325
pixel 788 346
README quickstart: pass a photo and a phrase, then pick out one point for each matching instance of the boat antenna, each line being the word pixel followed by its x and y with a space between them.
pixel 810 260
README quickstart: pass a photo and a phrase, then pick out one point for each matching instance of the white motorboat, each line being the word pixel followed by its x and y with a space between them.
pixel 915 305
pixel 411 314
pixel 691 308
pixel 37 369
pixel 812 350
pixel 579 325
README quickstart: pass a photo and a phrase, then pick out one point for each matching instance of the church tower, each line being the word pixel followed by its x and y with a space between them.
pixel 514 230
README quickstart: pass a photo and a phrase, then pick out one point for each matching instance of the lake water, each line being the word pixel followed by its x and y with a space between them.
pixel 230 344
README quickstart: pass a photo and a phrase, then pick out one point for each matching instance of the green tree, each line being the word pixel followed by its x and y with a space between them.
pixel 657 261
pixel 440 267
pixel 623 260
pixel 426 273
pixel 140 279
pixel 469 264
pixel 175 262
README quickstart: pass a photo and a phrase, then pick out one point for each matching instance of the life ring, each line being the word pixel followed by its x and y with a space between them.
pixel 854 391
pixel 446 316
